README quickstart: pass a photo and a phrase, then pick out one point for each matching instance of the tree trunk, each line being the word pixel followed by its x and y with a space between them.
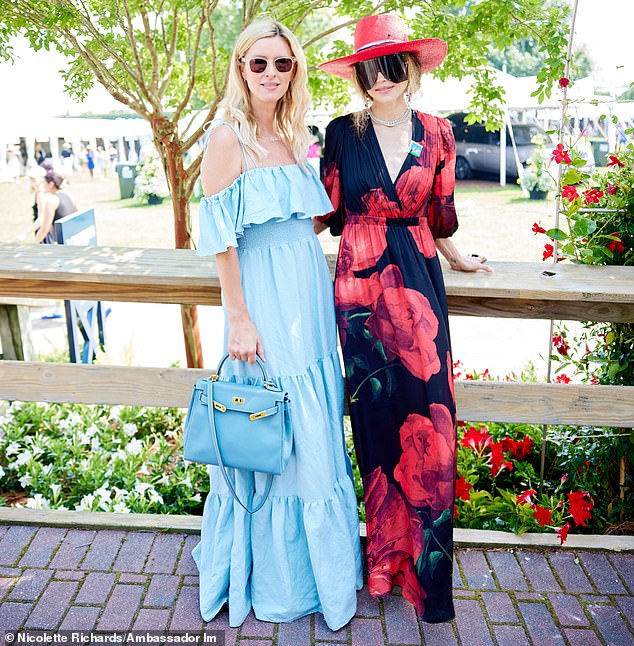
pixel 169 146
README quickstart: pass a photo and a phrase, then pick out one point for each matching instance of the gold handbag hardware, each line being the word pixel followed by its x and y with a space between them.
pixel 259 415
pixel 237 400
pixel 219 406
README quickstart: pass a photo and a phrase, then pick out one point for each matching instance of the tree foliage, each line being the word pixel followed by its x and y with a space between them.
pixel 167 60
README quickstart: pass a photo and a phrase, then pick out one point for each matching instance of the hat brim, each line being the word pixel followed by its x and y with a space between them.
pixel 430 53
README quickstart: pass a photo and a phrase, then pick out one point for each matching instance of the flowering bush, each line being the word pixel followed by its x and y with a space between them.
pixel 97 458
pixel 150 182
pixel 535 175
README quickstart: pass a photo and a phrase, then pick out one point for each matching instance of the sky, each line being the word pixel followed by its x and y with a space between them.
pixel 605 26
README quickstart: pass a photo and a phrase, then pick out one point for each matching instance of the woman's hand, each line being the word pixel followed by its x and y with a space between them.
pixel 244 341
pixel 470 263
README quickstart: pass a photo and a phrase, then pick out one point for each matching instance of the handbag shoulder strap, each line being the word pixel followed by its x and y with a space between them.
pixel 223 470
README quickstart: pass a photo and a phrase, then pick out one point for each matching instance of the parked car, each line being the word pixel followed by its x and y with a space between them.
pixel 478 150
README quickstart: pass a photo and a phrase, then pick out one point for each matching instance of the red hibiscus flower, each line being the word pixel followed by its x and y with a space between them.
pixel 563 533
pixel 548 251
pixel 592 196
pixel 561 155
pixel 611 189
pixel 569 193
pixel 525 497
pixel 463 488
pixel 580 506
pixel 395 540
pixel 616 246
pixel 406 325
pixel 426 468
pixel 564 82
pixel 542 515
pixel 562 379
pixel 476 440
pixel 537 228
pixel 497 459
pixel 615 161
pixel 518 449
pixel 560 344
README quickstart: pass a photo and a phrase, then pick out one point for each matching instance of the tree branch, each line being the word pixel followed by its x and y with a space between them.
pixel 192 74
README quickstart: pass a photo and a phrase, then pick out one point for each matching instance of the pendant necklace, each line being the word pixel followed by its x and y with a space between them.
pixel 388 123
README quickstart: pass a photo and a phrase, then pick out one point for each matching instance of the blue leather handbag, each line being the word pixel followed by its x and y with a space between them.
pixel 243 426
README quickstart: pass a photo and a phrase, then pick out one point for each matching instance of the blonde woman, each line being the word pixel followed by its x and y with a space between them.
pixel 300 553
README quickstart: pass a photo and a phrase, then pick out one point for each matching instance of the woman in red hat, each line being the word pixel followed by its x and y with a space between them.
pixel 389 172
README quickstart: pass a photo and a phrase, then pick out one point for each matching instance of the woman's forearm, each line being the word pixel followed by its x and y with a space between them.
pixel 231 286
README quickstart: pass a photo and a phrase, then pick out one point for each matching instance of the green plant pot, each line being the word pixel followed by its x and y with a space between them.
pixel 154 199
pixel 538 195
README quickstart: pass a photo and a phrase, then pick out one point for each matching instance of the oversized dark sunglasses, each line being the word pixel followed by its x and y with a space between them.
pixel 393 67
pixel 258 64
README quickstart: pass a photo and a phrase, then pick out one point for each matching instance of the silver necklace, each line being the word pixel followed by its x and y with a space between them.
pixel 271 138
pixel 393 122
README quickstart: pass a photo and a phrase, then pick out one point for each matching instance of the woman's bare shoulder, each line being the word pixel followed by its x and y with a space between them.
pixel 222 161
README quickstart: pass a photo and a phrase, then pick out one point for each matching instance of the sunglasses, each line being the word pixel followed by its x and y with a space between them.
pixel 393 67
pixel 258 64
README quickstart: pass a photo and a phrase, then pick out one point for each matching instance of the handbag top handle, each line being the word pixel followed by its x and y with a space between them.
pixel 267 381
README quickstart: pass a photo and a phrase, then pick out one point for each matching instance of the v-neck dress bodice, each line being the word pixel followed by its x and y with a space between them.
pixel 392 317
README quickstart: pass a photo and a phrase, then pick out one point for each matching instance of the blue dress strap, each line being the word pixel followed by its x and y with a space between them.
pixel 248 157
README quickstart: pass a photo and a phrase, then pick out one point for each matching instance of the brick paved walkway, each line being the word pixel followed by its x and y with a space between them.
pixel 64 579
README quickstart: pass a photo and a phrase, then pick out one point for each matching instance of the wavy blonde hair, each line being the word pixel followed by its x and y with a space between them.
pixel 291 109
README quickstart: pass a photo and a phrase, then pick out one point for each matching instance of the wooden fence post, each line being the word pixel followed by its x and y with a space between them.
pixel 15 332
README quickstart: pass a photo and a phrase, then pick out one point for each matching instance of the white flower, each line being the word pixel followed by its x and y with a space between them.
pixel 24 458
pixel 120 508
pixel 134 447
pixel 38 502
pixel 55 489
pixel 14 447
pixel 47 470
pixel 115 411
pixel 164 479
pixel 143 470
pixel 155 496
pixel 92 430
pixel 95 444
pixel 196 497
pixel 2 472
pixel 86 503
pixel 26 481
pixel 130 429
pixel 83 438
pixel 142 487
pixel 103 493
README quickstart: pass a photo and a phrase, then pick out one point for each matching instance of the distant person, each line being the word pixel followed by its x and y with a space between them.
pixel 103 161
pixel 67 158
pixel 40 155
pixel 315 149
pixel 113 155
pixel 90 162
pixel 14 168
pixel 36 175
pixel 54 204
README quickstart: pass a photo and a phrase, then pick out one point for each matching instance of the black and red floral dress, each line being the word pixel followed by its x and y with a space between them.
pixel 392 317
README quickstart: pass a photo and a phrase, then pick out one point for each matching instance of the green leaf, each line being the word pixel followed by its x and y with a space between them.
pixel 376 387
pixel 579 162
pixel 556 234
pixel 571 176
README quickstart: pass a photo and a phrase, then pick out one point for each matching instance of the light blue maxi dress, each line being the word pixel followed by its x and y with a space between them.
pixel 300 553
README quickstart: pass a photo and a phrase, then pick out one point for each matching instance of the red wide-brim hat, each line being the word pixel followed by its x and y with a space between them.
pixel 386 34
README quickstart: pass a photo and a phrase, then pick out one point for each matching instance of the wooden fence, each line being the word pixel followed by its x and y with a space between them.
pixel 514 290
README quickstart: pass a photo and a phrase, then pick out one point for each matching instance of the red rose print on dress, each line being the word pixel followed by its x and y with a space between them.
pixel 426 468
pixel 352 291
pixel 405 323
pixel 395 540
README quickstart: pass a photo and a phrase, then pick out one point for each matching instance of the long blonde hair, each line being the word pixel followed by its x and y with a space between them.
pixel 291 109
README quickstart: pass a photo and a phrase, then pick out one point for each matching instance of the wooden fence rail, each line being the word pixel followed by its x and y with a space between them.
pixel 514 290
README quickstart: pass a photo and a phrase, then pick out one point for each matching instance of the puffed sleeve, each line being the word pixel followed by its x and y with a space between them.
pixel 443 221
pixel 220 217
pixel 333 154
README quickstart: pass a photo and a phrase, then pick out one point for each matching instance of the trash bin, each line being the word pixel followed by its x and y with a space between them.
pixel 600 150
pixel 127 173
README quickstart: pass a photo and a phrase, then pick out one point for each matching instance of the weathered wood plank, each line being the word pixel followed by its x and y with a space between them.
pixel 477 401
pixel 190 524
pixel 532 290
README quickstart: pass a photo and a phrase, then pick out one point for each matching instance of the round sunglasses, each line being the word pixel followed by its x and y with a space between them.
pixel 258 64
pixel 393 67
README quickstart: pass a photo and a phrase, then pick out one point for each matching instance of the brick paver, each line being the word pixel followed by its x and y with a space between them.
pixel 52 579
